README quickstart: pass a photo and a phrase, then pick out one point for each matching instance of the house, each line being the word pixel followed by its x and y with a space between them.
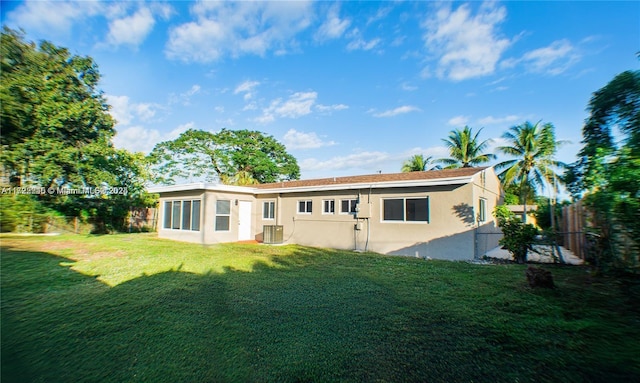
pixel 518 210
pixel 443 214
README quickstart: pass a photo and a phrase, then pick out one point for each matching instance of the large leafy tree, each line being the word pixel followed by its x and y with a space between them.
pixel 418 163
pixel 465 149
pixel 533 147
pixel 55 127
pixel 609 171
pixel 56 132
pixel 229 156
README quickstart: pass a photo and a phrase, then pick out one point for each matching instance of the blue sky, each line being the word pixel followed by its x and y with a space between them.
pixel 350 88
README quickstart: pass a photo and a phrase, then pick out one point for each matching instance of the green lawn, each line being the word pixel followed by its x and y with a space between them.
pixel 134 308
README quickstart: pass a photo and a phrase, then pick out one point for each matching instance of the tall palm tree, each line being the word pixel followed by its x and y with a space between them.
pixel 533 147
pixel 418 163
pixel 465 150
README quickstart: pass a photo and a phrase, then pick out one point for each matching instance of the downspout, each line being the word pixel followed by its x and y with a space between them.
pixel 203 216
pixel 366 244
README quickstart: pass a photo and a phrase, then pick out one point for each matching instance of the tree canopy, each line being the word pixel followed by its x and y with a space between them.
pixel 533 147
pixel 57 132
pixel 55 127
pixel 418 163
pixel 229 156
pixel 465 149
pixel 608 170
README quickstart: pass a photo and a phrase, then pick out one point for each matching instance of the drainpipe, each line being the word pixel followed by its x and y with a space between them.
pixel 203 216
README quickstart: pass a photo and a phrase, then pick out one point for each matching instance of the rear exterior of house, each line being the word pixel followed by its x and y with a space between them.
pixel 443 214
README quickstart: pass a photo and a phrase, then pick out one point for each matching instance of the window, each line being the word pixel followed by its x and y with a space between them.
pixel 186 215
pixel 182 215
pixel 304 207
pixel 482 210
pixel 406 209
pixel 223 215
pixel 268 210
pixel 348 206
pixel 167 215
pixel 176 215
pixel 328 206
pixel 195 215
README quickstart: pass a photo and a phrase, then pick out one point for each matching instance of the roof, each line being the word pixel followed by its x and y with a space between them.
pixel 390 180
pixel 375 178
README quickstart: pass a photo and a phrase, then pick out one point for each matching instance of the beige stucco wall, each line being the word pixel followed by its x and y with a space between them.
pixel 449 234
pixel 207 233
pixel 486 185
pixel 452 232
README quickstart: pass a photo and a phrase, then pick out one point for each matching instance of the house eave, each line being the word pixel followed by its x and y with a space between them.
pixel 201 186
pixel 303 189
pixel 367 185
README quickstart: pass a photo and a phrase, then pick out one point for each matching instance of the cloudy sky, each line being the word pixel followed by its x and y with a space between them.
pixel 350 88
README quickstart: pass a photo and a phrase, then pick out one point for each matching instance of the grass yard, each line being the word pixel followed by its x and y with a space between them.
pixel 134 308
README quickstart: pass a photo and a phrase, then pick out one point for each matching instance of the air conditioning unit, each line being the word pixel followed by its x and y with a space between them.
pixel 272 234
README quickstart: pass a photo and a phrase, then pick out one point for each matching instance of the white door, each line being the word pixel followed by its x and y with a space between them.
pixel 244 221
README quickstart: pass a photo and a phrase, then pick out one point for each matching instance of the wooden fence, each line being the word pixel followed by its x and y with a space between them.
pixel 572 228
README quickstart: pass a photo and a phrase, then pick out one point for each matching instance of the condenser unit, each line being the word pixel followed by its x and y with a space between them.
pixel 272 234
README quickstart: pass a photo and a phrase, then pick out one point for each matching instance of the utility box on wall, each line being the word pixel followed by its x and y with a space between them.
pixel 363 210
pixel 272 234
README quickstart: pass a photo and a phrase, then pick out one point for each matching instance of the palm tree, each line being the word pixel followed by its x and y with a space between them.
pixel 241 178
pixel 533 148
pixel 417 163
pixel 465 150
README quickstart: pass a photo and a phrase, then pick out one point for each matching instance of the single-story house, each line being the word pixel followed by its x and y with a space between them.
pixel 444 214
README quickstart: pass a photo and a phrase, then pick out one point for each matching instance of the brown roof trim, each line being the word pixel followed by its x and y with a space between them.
pixel 375 178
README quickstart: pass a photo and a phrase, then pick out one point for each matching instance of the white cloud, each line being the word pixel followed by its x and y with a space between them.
pixel 407 87
pixel 52 16
pixel 175 133
pixel 124 111
pixel 394 112
pixel 466 45
pixel 247 88
pixel 458 121
pixel 120 109
pixel 331 108
pixel 300 140
pixel 299 104
pixel 490 120
pixel 553 59
pixel 361 44
pixel 333 27
pixel 367 161
pixel 131 30
pixel 238 28
pixel 141 139
pixel 136 139
pixel 360 160
pixel 145 111
pixel 185 97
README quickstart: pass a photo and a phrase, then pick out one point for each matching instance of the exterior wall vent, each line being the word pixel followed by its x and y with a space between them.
pixel 272 234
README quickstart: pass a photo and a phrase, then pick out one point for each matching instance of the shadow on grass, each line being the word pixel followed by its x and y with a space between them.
pixel 319 316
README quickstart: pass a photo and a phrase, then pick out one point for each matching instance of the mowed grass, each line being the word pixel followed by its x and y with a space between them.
pixel 134 308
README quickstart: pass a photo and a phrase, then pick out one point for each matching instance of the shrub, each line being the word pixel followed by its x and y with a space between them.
pixel 518 236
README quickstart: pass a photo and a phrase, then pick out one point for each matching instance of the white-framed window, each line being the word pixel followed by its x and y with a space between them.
pixel 182 215
pixel 482 210
pixel 223 215
pixel 405 209
pixel 305 206
pixel 348 206
pixel 269 210
pixel 328 206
